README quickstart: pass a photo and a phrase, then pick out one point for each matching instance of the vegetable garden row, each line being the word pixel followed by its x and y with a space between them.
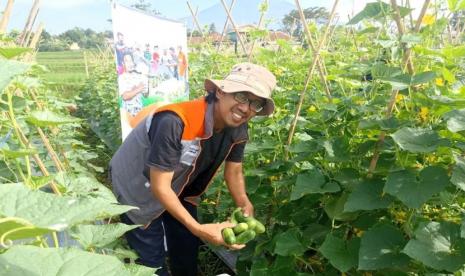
pixel 360 171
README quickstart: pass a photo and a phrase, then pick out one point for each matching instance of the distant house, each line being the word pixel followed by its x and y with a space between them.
pixel 275 35
pixel 243 30
pixel 213 37
pixel 74 46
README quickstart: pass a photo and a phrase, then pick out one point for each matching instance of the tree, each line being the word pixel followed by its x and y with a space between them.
pixel 212 28
pixel 292 20
pixel 145 6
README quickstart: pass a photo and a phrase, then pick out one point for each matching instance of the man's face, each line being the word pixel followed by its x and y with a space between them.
pixel 229 112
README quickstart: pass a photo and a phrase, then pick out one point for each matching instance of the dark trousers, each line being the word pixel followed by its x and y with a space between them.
pixel 182 244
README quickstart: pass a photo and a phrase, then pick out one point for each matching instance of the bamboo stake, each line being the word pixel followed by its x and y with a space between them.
pixel 291 30
pixel 309 75
pixel 28 26
pixel 223 33
pixel 192 32
pixel 234 26
pixel 86 65
pixel 36 37
pixel 29 32
pixel 392 100
pixel 195 20
pixel 6 16
pixel 254 42
pixel 312 44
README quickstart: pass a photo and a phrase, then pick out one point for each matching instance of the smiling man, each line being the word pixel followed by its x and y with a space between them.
pixel 168 160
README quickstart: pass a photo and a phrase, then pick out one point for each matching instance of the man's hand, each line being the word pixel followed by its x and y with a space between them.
pixel 211 232
pixel 247 208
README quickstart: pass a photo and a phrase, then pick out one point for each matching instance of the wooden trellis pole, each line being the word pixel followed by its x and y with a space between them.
pixel 309 75
pixel 194 17
pixel 223 33
pixel 192 32
pixel 29 32
pixel 234 26
pixel 6 16
pixel 29 22
pixel 36 37
pixel 260 21
pixel 392 100
pixel 312 44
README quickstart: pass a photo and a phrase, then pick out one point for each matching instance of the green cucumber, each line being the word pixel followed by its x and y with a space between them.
pixel 240 227
pixel 251 222
pixel 228 236
pixel 259 228
pixel 245 236
pixel 238 215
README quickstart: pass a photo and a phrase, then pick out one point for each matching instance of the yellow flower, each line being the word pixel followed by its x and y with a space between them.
pixel 424 111
pixel 439 82
pixel 312 108
pixel 399 98
pixel 428 19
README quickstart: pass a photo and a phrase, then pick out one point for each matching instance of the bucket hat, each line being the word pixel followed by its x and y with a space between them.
pixel 247 77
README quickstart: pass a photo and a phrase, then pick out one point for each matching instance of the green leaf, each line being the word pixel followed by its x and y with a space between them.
pixel 448 75
pixel 423 77
pixel 367 196
pixel 453 52
pixel 13 51
pixel 95 236
pixel 456 5
pixel 337 149
pixel 381 248
pixel 17 153
pixel 418 140
pixel 12 228
pixel 54 212
pixel 411 38
pixel 288 243
pixel 60 261
pixel 404 184
pixel 458 173
pixel 48 118
pixel 455 120
pixel 376 9
pixel 312 182
pixel 10 69
pixel 438 245
pixel 341 254
pixel 334 208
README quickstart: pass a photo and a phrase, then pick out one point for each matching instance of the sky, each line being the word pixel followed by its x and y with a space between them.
pixel 61 15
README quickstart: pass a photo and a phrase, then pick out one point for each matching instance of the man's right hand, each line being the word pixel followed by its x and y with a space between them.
pixel 211 232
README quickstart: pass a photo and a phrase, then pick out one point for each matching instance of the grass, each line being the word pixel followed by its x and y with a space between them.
pixel 67 72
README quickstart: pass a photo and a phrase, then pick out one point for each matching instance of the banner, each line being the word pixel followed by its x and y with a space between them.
pixel 151 62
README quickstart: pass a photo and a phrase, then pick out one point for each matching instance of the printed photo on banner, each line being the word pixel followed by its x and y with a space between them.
pixel 151 62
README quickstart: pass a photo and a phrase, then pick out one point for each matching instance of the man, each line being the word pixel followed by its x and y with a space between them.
pixel 169 159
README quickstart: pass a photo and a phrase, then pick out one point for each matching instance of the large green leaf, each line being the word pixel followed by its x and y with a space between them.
pixel 381 248
pixel 334 208
pixel 13 51
pixel 458 173
pixel 376 9
pixel 6 153
pixel 15 228
pixel 312 182
pixel 453 52
pixel 438 245
pixel 94 236
pixel 54 212
pixel 403 184
pixel 26 260
pixel 418 140
pixel 83 185
pixel 456 5
pixel 343 255
pixel 455 120
pixel 337 149
pixel 9 69
pixel 288 243
pixel 48 118
pixel 367 196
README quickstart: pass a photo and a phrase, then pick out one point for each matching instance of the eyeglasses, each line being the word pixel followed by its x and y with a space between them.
pixel 255 105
